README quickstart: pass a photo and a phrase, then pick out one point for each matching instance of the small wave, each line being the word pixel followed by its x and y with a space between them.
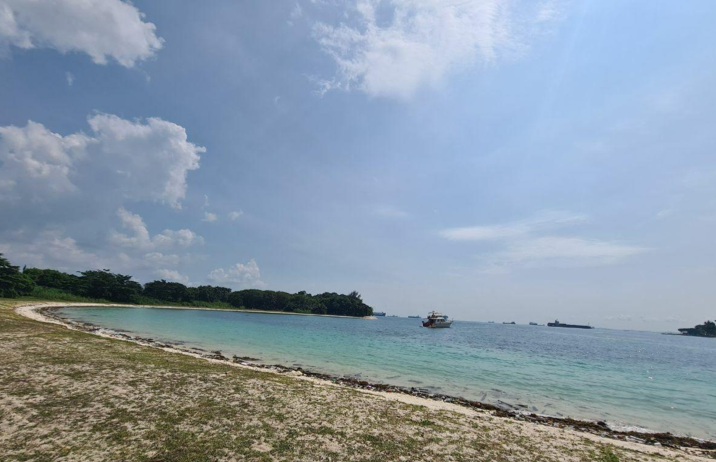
pixel 629 428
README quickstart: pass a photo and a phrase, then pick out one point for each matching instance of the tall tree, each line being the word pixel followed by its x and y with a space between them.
pixel 13 283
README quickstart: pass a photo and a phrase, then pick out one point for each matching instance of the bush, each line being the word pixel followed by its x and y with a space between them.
pixel 48 293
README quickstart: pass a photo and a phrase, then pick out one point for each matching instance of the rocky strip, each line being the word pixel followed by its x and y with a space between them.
pixel 504 410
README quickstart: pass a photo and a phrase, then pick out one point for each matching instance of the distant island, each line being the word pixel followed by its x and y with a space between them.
pixel 105 286
pixel 707 329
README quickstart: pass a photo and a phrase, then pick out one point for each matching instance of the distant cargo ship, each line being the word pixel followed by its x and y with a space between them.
pixel 379 313
pixel 414 317
pixel 556 323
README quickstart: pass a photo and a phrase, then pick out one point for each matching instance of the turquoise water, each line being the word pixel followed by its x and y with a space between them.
pixel 640 379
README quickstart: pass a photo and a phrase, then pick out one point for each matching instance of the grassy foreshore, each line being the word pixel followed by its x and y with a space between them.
pixel 70 395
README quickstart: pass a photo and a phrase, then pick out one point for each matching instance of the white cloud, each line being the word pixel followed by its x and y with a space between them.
pixel 103 29
pixel 209 217
pixel 155 259
pixel 393 48
pixel 543 221
pixel 128 159
pixel 37 164
pixel 172 275
pixel 70 78
pixel 233 216
pixel 240 276
pixel 139 238
pixel 150 160
pixel 296 13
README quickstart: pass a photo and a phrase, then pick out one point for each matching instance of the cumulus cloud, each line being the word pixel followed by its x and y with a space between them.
pixel 36 164
pixel 132 159
pixel 103 29
pixel 233 216
pixel 138 236
pixel 70 78
pixel 393 48
pixel 241 275
pixel 172 275
pixel 46 177
pixel 149 161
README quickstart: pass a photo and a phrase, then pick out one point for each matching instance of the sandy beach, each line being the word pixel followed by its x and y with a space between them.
pixel 120 400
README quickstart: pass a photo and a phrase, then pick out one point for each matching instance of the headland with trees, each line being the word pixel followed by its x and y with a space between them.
pixel 707 329
pixel 105 286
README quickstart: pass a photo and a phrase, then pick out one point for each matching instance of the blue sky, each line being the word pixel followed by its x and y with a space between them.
pixel 496 160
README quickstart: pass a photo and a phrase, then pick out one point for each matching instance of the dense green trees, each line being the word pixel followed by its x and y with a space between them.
pixel 105 285
pixel 302 302
pixel 54 279
pixel 13 283
pixel 168 291
pixel 109 286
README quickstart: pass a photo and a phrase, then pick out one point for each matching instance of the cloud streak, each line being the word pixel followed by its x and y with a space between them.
pixel 531 243
pixel 553 251
pixel 544 221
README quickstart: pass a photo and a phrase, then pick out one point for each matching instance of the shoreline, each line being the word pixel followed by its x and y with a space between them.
pixel 200 308
pixel 45 312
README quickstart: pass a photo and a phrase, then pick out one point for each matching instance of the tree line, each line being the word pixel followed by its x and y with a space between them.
pixel 120 288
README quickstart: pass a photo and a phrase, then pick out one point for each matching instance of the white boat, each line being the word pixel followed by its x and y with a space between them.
pixel 436 320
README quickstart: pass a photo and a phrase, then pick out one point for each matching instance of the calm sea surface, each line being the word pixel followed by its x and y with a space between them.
pixel 640 379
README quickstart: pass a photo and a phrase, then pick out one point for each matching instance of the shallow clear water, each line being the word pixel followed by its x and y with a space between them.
pixel 644 379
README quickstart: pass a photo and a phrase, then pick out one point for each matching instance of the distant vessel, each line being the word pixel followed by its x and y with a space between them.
pixel 436 319
pixel 509 322
pixel 556 323
pixel 414 317
pixel 534 324
pixel 379 313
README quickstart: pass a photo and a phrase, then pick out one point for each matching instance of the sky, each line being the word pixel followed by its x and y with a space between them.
pixel 497 160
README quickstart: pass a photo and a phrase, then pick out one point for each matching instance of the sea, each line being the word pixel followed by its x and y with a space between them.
pixel 629 379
